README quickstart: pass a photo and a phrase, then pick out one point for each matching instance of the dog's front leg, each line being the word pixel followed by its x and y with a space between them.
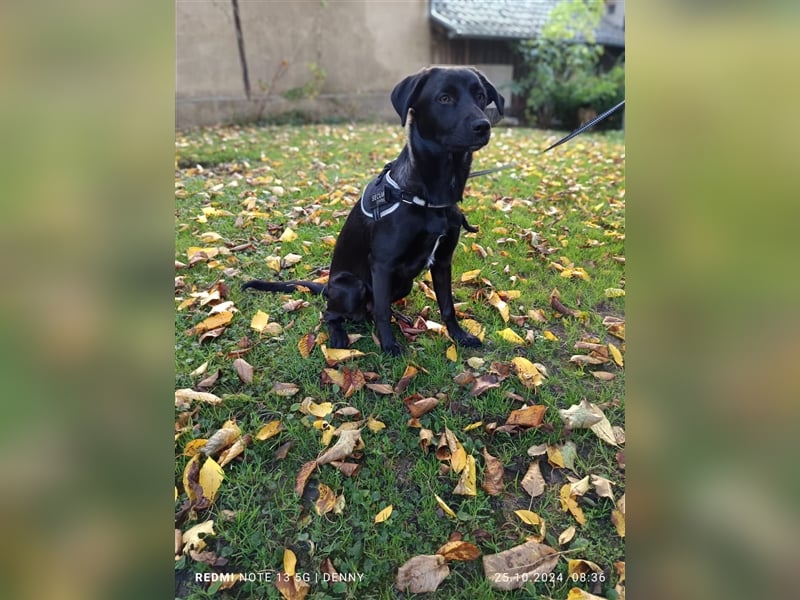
pixel 441 273
pixel 382 309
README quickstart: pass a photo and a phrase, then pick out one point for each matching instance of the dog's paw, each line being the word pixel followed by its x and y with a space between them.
pixel 393 348
pixel 338 339
pixel 469 341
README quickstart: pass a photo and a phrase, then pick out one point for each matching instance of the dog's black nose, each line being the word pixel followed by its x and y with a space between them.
pixel 481 127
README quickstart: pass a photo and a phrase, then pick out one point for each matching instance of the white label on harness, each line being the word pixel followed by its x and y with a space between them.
pixel 432 257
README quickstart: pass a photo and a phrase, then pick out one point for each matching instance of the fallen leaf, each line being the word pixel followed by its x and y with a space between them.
pixel 585 359
pixel 422 574
pixel 418 406
pixel 210 478
pixel 495 300
pixel 452 353
pixel 288 235
pixel 343 448
pixel 259 321
pixel 579 566
pixel 603 375
pixel 616 354
pixel 235 450
pixel 194 446
pixel 473 327
pixel 289 562
pixel 529 517
pixel 566 535
pixel 528 416
pixel 337 355
pixel 384 514
pixel 380 388
pixel 492 474
pixel 408 375
pixel 618 516
pixel 604 431
pixel 309 407
pixel 569 503
pixel 467 483
pixel 269 430
pixel 459 550
pixel 374 425
pixel 184 397
pixel 509 335
pixel 425 439
pixel 244 370
pixel 602 486
pixel 579 594
pixel 443 505
pixel 213 322
pixel 581 416
pixel 192 539
pixel 554 456
pixel 533 482
pixel 325 501
pixel 470 275
pixel 614 292
pixel 527 372
pixel 222 438
pixel 537 450
pixel 285 389
pixel 558 306
pixel 347 469
pixel 483 383
pixel 291 587
pixel 513 568
pixel 306 344
pixel 303 475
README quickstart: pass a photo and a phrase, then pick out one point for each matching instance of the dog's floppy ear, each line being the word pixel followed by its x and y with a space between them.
pixel 405 93
pixel 494 115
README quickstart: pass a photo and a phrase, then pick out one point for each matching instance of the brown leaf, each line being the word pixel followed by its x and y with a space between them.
pixel 303 475
pixel 209 381
pixel 558 306
pixel 306 344
pixel 235 450
pixel 215 321
pixel 349 469
pixel 492 475
pixel 343 448
pixel 325 500
pixel 483 383
pixel 380 388
pixel 528 416
pixel 408 375
pixel 418 406
pixel 222 438
pixel 513 568
pixel 422 574
pixel 353 380
pixel 244 370
pixel 282 450
pixel 425 439
pixel 291 587
pixel 459 550
pixel 533 482
pixel 464 378
pixel 285 389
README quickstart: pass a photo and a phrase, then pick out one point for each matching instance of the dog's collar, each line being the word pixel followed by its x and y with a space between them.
pixel 383 196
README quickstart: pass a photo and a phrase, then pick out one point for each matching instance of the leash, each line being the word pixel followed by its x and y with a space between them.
pixel 566 138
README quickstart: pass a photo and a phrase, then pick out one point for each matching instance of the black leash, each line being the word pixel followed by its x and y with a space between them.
pixel 566 138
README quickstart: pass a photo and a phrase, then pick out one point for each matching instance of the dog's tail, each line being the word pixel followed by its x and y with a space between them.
pixel 283 286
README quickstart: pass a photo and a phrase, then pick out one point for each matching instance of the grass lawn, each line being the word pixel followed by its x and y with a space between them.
pixel 267 202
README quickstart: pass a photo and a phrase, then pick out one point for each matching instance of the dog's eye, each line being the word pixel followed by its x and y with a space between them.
pixel 445 99
pixel 481 97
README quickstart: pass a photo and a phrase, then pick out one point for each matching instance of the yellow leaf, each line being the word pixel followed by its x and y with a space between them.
pixel 527 372
pixel 443 505
pixel 452 353
pixel 531 518
pixel 326 500
pixel 467 485
pixel 211 476
pixel 191 537
pixel 579 594
pixel 472 426
pixel 194 446
pixel 289 562
pixel 259 321
pixel 566 535
pixel 554 456
pixel 459 550
pixel 306 345
pixel 510 336
pixel 269 430
pixel 222 438
pixel 384 514
pixel 309 407
pixel 458 460
pixel 274 263
pixel 495 300
pixel 335 355
pixel 235 450
pixel 288 235
pixel 212 322
pixel 374 425
pixel 470 275
pixel 615 354
pixel 187 487
pixel 549 335
pixel 568 503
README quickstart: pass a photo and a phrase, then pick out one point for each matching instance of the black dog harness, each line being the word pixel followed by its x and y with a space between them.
pixel 383 196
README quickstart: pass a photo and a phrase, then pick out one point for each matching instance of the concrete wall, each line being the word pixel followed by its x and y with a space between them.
pixel 364 47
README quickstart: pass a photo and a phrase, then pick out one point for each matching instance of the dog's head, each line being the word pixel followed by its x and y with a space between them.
pixel 448 106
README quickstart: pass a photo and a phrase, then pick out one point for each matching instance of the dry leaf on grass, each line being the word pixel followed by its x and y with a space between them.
pixel 533 482
pixel 528 416
pixel 513 568
pixel 384 514
pixel 466 484
pixel 492 474
pixel 222 438
pixel 459 550
pixel 344 447
pixel 422 574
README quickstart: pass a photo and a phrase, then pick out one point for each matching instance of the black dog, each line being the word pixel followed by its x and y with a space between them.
pixel 408 219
